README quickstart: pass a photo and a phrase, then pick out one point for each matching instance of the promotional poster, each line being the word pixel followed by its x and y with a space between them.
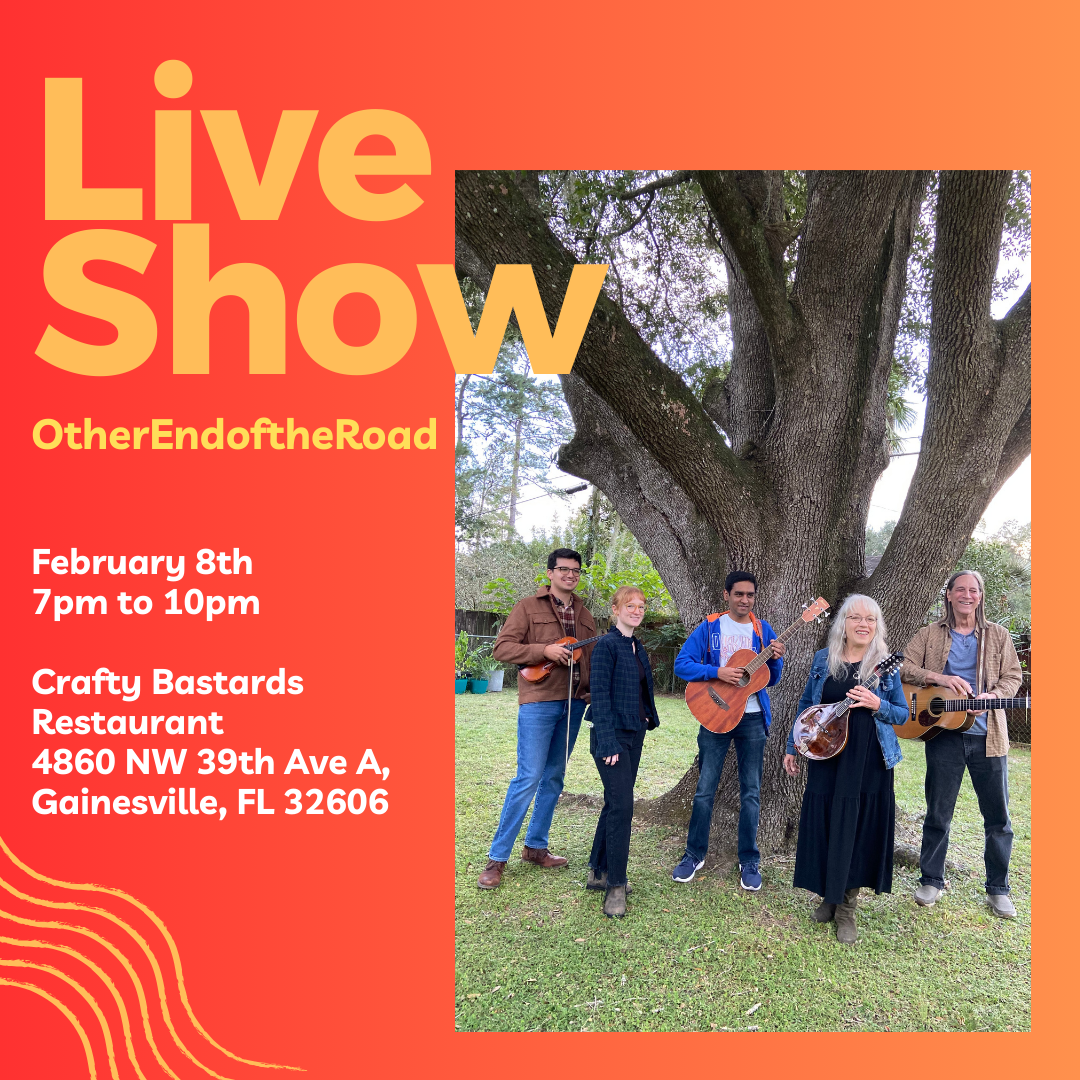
pixel 233 323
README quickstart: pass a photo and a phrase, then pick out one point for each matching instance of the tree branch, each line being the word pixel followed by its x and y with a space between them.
pixel 978 414
pixel 742 224
pixel 676 178
pixel 683 546
pixel 497 224
pixel 1017 448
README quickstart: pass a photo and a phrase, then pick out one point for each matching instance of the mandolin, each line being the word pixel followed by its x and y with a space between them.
pixel 821 731
pixel 719 705
pixel 539 672
pixel 933 709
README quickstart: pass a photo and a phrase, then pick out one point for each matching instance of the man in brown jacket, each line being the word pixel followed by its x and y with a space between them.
pixel 970 656
pixel 528 637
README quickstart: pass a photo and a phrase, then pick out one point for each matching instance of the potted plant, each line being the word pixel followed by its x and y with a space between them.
pixel 477 663
pixel 495 677
pixel 461 656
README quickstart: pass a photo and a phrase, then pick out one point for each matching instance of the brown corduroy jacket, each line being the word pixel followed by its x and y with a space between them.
pixel 997 670
pixel 528 628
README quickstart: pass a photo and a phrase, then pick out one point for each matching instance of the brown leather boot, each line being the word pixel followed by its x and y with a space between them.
pixel 599 881
pixel 615 902
pixel 823 912
pixel 540 856
pixel 846 931
pixel 491 878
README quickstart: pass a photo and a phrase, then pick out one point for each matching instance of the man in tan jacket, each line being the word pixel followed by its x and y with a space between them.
pixel 975 658
pixel 545 709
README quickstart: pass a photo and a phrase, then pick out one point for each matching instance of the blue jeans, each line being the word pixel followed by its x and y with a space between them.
pixel 946 758
pixel 541 763
pixel 749 739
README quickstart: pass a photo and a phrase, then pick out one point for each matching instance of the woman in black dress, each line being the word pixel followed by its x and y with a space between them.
pixel 848 811
pixel 622 710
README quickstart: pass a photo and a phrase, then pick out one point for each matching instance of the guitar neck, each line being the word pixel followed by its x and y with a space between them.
pixel 963 704
pixel 765 655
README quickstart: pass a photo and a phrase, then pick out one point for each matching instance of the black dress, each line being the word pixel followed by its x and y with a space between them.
pixel 848 812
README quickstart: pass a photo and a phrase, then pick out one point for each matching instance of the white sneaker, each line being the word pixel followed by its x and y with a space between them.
pixel 927 895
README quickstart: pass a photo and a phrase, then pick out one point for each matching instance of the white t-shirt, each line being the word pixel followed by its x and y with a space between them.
pixel 733 636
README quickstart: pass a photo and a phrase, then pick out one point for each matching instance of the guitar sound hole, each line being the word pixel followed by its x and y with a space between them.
pixel 745 680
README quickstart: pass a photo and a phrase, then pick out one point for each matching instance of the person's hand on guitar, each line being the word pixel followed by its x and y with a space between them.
pixel 975 712
pixel 864 697
pixel 777 647
pixel 956 684
pixel 791 765
pixel 557 654
pixel 731 675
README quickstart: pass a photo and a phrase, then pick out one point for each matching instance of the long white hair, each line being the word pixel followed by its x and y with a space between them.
pixel 877 650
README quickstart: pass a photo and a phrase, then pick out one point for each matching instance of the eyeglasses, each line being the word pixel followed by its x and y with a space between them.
pixel 572 570
pixel 870 620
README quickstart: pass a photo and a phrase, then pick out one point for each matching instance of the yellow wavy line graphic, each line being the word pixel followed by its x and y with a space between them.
pixel 106 944
pixel 25 943
pixel 66 1011
pixel 127 965
pixel 153 960
pixel 83 993
pixel 153 917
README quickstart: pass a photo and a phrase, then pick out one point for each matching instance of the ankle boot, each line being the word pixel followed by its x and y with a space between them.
pixel 599 881
pixel 615 902
pixel 846 931
pixel 823 912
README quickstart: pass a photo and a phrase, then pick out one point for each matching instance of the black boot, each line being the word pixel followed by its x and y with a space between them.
pixel 846 931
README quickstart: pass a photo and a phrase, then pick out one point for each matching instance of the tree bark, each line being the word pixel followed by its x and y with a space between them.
pixel 786 493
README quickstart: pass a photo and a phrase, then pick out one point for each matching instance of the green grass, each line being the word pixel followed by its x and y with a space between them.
pixel 537 954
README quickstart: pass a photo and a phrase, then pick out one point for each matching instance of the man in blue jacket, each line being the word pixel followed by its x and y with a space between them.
pixel 705 655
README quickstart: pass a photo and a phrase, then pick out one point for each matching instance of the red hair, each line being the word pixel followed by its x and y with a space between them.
pixel 623 593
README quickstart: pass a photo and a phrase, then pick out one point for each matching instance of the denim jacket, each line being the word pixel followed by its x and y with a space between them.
pixel 893 711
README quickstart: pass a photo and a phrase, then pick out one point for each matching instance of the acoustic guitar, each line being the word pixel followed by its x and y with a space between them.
pixel 934 709
pixel 719 705
pixel 821 731
pixel 539 672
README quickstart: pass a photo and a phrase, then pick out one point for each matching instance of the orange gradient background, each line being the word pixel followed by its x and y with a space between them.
pixel 327 942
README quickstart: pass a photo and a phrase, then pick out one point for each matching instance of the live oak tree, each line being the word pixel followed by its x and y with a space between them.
pixel 765 458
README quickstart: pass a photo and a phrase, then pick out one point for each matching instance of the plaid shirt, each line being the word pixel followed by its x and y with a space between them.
pixel 615 681
pixel 565 613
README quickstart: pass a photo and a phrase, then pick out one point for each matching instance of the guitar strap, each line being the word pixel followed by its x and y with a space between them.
pixel 755 621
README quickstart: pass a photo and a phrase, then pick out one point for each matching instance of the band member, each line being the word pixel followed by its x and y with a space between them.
pixel 623 709
pixel 544 710
pixel 705 655
pixel 968 655
pixel 848 810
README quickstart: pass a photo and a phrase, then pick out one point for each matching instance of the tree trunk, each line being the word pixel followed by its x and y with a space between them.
pixel 461 409
pixel 773 473
pixel 514 472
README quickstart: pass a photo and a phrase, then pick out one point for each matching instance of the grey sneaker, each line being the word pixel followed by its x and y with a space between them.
pixel 1001 905
pixel 927 895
